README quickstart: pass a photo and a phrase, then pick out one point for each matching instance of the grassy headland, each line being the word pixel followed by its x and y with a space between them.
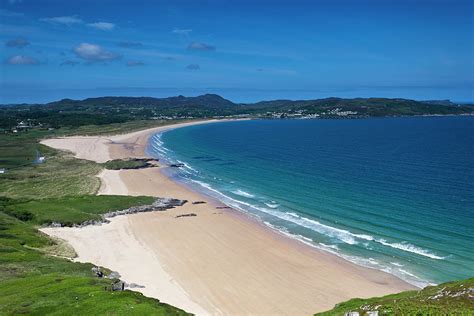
pixel 36 275
pixel 451 298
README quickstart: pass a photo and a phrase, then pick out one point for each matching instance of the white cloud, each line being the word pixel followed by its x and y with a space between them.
pixel 22 60
pixel 103 26
pixel 94 53
pixel 65 20
pixel 201 46
pixel 182 31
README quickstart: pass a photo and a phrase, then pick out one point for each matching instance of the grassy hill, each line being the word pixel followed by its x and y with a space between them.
pixel 452 298
pixel 36 275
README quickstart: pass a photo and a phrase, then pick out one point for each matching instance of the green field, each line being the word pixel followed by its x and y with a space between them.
pixel 36 276
pixel 71 210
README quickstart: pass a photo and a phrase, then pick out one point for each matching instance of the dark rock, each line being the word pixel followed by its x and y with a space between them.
pixel 199 202
pixel 118 286
pixel 98 273
pixel 186 215
pixel 177 165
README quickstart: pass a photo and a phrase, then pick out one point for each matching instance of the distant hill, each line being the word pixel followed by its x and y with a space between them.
pixel 439 102
pixel 110 109
pixel 212 101
pixel 365 106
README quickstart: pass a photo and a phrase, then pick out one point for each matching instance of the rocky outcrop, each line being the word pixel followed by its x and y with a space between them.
pixel 160 204
pixel 117 284
pixel 186 215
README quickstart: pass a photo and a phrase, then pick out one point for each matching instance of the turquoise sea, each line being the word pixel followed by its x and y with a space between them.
pixel 395 194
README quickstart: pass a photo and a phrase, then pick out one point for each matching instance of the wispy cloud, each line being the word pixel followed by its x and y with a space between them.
pixel 17 42
pixel 7 13
pixel 94 53
pixel 201 47
pixel 193 67
pixel 63 20
pixel 182 31
pixel 130 44
pixel 22 60
pixel 103 26
pixel 69 63
pixel 134 63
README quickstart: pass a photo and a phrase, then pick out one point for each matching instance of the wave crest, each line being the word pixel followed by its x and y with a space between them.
pixel 243 193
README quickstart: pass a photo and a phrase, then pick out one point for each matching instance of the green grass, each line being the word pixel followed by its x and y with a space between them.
pixel 452 298
pixel 118 164
pixel 35 283
pixel 60 175
pixel 71 210
pixel 34 278
pixel 18 150
pixel 59 294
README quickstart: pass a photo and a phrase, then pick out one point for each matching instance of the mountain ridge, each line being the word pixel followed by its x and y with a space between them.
pixel 112 109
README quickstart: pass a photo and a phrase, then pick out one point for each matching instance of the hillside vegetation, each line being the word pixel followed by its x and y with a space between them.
pixel 452 298
pixel 36 275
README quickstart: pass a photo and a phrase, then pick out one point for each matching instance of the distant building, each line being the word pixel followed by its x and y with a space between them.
pixel 3 170
pixel 23 124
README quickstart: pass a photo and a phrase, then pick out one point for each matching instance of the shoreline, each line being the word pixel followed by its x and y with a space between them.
pixel 221 261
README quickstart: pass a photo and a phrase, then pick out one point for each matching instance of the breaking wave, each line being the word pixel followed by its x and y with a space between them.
pixel 243 193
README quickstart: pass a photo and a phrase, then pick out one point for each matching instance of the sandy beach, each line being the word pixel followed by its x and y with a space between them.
pixel 220 262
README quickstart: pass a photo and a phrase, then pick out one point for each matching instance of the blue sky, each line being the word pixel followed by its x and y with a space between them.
pixel 244 50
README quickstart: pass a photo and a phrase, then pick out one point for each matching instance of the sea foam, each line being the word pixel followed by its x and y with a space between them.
pixel 243 193
pixel 410 248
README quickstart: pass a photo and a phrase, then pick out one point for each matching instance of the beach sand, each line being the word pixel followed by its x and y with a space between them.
pixel 218 262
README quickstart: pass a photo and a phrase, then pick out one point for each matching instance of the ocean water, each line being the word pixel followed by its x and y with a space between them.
pixel 395 194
